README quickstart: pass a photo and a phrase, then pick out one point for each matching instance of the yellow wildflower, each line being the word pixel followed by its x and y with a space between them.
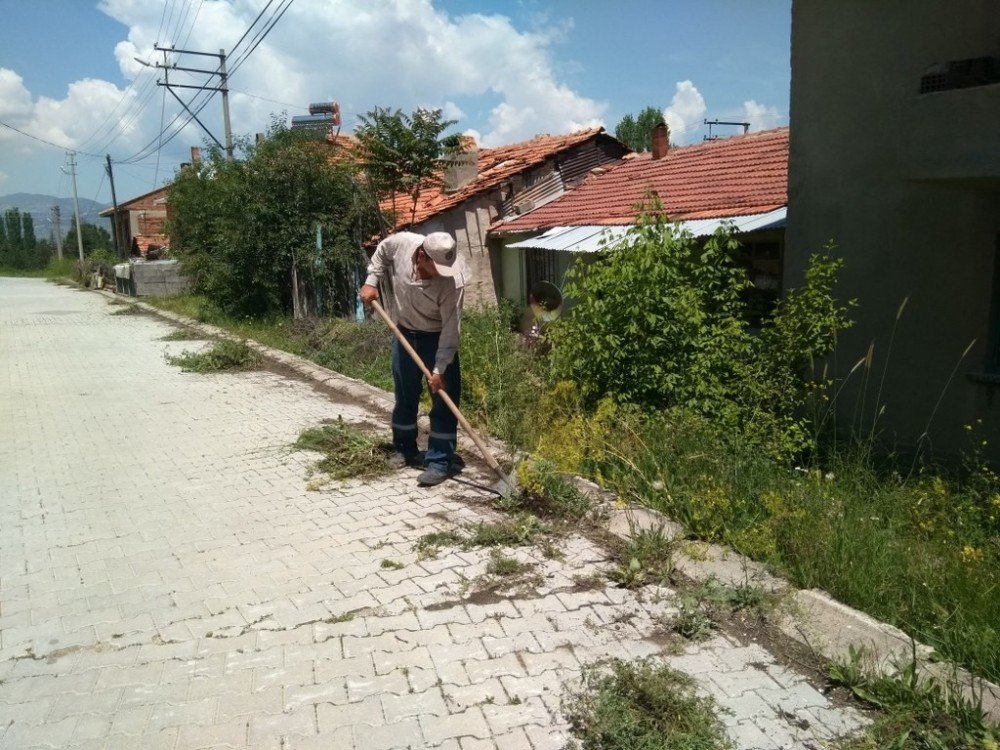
pixel 970 554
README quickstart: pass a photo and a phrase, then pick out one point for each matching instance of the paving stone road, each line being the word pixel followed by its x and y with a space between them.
pixel 167 579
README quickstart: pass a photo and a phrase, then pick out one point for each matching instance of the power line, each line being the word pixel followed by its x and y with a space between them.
pixel 262 35
pixel 304 107
pixel 144 94
pixel 47 143
pixel 252 24
pixel 193 108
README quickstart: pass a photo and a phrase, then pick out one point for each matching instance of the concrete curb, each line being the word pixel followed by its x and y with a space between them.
pixel 829 628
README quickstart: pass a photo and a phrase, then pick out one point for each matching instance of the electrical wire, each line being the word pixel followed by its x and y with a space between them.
pixel 196 108
pixel 304 107
pixel 49 143
pixel 144 93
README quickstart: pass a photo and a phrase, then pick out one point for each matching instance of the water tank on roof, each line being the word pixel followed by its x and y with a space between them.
pixel 323 117
pixel 321 108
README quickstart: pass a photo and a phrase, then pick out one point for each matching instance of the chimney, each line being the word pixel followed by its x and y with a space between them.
pixel 195 156
pixel 462 169
pixel 661 141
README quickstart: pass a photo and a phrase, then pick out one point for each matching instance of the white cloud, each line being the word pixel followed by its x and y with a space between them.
pixel 399 54
pixel 685 113
pixel 760 116
pixel 15 99
pixel 451 111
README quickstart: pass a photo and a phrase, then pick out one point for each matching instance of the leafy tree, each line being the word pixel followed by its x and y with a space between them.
pixel 660 321
pixel 18 247
pixel 12 223
pixel 399 151
pixel 28 240
pixel 94 238
pixel 245 230
pixel 637 132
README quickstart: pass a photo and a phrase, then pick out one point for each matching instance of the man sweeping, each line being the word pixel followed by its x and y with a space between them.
pixel 428 280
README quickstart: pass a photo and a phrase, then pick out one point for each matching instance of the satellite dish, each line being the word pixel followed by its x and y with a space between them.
pixel 545 301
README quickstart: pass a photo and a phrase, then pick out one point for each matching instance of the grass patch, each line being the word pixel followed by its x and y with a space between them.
pixel 504 566
pixel 184 334
pixel 646 558
pixel 692 621
pixel 516 531
pixel 224 356
pixel 388 564
pixel 126 308
pixel 429 545
pixel 631 705
pixel 915 713
pixel 347 451
pixel 55 269
pixel 543 490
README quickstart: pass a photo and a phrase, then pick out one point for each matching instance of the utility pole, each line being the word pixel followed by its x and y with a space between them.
pixel 114 202
pixel 222 87
pixel 57 231
pixel 76 203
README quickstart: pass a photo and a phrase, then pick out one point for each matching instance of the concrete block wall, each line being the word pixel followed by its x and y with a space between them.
pixel 162 279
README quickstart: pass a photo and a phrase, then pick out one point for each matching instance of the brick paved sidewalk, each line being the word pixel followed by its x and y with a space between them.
pixel 167 580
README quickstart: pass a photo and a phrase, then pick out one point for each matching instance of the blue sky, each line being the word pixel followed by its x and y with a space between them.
pixel 505 70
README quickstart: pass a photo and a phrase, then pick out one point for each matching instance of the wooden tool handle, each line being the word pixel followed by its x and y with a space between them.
pixel 441 391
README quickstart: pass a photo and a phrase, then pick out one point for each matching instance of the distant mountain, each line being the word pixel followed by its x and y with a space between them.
pixel 40 208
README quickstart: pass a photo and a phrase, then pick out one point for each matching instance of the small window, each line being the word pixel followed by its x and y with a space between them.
pixel 540 265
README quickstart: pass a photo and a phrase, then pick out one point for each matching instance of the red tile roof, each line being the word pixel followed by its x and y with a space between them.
pixel 746 174
pixel 494 166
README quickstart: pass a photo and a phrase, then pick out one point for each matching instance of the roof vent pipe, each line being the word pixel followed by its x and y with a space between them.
pixel 661 140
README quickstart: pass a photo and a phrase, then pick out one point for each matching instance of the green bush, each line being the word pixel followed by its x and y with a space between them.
pixel 661 321
pixel 656 320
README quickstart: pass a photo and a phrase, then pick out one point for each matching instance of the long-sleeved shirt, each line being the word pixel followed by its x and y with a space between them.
pixel 431 305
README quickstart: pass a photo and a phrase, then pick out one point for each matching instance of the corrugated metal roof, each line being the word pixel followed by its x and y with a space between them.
pixel 593 237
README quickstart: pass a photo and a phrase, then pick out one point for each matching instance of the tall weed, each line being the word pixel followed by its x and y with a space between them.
pixel 502 380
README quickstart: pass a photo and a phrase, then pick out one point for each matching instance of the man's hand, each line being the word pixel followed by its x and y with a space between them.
pixel 368 294
pixel 435 382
